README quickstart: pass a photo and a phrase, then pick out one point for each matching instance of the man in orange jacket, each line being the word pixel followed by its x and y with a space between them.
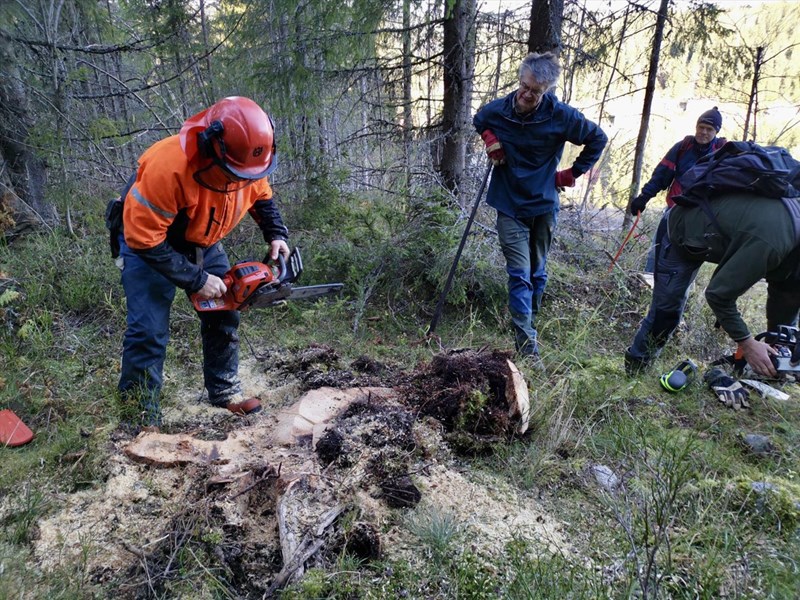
pixel 189 192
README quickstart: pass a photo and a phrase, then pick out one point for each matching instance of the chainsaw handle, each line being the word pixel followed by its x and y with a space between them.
pixel 282 271
pixel 288 272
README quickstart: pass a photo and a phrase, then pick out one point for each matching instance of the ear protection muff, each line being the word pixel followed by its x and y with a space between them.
pixel 205 140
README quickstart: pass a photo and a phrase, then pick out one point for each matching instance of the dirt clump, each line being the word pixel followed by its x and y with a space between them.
pixel 466 390
pixel 321 366
pixel 365 426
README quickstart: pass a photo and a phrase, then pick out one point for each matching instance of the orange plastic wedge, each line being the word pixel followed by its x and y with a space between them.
pixel 13 432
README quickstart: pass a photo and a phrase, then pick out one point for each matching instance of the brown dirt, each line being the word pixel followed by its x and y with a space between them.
pixel 465 390
pixel 146 527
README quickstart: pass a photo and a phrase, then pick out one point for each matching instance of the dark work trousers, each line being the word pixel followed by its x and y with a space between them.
pixel 783 303
pixel 149 297
pixel 525 243
pixel 672 276
pixel 650 261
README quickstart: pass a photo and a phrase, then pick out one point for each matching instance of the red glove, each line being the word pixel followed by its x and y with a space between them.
pixel 494 149
pixel 565 178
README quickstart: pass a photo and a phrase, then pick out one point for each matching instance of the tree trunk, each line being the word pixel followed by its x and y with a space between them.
pixel 459 67
pixel 408 123
pixel 27 173
pixel 752 100
pixel 209 93
pixel 545 30
pixel 641 140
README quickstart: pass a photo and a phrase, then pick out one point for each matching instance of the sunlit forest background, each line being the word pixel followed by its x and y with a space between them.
pixel 371 98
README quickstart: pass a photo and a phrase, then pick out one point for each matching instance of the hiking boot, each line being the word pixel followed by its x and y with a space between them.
pixel 634 365
pixel 244 407
pixel 151 429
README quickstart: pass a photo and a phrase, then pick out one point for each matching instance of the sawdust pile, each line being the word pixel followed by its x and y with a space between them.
pixel 324 468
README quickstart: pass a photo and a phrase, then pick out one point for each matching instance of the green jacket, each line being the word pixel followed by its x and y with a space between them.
pixel 753 239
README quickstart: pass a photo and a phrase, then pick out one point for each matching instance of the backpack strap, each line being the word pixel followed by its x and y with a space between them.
pixel 686 145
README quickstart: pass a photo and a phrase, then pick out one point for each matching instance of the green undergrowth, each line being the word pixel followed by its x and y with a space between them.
pixel 694 514
pixel 447 568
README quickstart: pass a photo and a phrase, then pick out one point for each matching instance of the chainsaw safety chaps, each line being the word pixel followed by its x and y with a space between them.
pixel 219 330
pixel 149 297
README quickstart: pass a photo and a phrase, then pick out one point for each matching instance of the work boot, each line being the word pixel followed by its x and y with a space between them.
pixel 240 406
pixel 634 365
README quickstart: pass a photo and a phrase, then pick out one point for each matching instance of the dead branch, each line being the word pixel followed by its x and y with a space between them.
pixel 308 546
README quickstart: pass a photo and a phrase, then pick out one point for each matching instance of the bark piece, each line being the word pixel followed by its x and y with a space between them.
pixel 166 450
pixel 298 544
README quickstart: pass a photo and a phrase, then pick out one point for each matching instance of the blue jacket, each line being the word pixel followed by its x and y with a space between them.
pixel 680 158
pixel 533 144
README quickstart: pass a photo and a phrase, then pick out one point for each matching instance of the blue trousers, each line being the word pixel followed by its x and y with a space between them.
pixel 525 244
pixel 149 297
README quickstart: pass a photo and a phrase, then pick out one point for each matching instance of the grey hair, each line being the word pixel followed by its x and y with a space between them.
pixel 544 67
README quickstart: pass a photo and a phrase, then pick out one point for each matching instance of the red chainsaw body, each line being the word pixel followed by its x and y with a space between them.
pixel 242 280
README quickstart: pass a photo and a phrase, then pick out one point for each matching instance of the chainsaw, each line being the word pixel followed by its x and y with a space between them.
pixel 787 343
pixel 254 284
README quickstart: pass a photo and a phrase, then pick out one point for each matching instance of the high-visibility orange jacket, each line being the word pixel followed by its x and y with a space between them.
pixel 168 213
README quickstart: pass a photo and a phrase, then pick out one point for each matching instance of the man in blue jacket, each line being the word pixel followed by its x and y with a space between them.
pixel 680 158
pixel 525 133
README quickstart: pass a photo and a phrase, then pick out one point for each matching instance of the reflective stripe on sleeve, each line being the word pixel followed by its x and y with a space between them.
pixel 147 204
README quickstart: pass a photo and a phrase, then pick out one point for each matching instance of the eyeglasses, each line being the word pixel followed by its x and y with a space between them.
pixel 533 91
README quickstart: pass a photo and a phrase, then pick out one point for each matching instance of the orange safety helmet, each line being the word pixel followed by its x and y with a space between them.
pixel 236 134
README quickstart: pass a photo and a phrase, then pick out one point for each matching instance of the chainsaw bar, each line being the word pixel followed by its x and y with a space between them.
pixel 267 295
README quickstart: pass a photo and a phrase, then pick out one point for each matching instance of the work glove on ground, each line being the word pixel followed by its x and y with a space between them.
pixel 565 178
pixel 494 149
pixel 638 204
pixel 729 391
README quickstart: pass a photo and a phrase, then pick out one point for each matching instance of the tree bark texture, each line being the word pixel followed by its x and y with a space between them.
pixel 545 30
pixel 459 67
pixel 26 172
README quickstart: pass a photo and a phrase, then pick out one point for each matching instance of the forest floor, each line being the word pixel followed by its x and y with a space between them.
pixel 384 464
pixel 323 464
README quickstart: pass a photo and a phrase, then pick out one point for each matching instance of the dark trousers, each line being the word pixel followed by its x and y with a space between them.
pixel 149 298
pixel 673 275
